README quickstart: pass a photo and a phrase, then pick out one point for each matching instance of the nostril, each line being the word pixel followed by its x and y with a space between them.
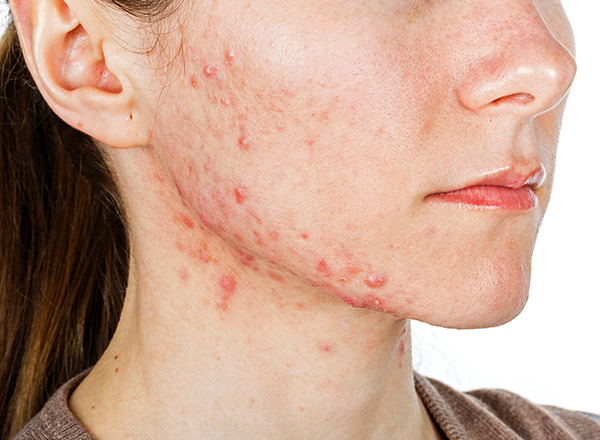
pixel 515 98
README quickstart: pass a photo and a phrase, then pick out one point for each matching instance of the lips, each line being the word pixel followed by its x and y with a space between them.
pixel 504 190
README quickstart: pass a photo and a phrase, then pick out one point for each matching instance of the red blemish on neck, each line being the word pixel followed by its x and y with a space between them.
pixel 183 274
pixel 375 280
pixel 245 258
pixel 228 286
pixel 323 268
pixel 210 71
pixel 184 220
pixel 326 348
pixel 194 81
pixel 229 57
pixel 159 176
pixel 244 142
pixel 196 251
pixel 401 352
pixel 304 236
pixel 241 194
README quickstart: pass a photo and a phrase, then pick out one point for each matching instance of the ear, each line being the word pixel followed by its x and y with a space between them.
pixel 81 70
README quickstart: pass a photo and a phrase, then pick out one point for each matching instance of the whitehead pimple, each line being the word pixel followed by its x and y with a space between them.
pixel 241 194
pixel 375 280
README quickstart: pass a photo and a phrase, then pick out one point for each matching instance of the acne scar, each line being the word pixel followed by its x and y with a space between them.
pixel 241 194
pixel 228 287
pixel 375 280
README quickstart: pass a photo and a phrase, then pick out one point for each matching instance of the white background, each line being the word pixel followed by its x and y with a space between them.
pixel 550 353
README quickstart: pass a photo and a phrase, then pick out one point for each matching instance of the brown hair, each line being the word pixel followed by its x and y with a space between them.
pixel 64 251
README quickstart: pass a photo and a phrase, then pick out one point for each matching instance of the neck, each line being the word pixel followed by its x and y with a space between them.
pixel 216 343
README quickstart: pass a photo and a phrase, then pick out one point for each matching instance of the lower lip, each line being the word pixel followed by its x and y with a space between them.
pixel 491 197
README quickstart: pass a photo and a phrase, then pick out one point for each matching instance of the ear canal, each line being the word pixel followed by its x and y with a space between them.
pixel 79 67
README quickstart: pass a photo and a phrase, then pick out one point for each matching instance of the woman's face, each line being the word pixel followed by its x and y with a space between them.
pixel 319 135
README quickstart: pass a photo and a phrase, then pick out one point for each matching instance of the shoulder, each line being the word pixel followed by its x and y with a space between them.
pixel 491 413
pixel 56 421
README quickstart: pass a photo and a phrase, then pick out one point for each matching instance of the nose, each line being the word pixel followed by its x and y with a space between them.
pixel 522 71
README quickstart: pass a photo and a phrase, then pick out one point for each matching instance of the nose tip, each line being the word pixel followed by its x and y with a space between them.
pixel 525 81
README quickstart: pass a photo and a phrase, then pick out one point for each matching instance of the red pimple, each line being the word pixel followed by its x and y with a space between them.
pixel 325 348
pixel 375 280
pixel 184 220
pixel 323 268
pixel 304 236
pixel 229 57
pixel 194 81
pixel 159 176
pixel 245 258
pixel 210 71
pixel 241 194
pixel 244 142
pixel 228 287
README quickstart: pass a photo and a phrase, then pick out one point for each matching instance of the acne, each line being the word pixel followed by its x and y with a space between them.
pixel 323 268
pixel 228 287
pixel 229 57
pixel 184 275
pixel 304 236
pixel 326 348
pixel 210 71
pixel 244 142
pixel 194 81
pixel 375 280
pixel 241 194
pixel 184 220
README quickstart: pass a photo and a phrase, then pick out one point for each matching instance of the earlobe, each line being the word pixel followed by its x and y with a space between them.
pixel 64 45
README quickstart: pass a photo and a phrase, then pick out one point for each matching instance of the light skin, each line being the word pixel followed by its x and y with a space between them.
pixel 277 163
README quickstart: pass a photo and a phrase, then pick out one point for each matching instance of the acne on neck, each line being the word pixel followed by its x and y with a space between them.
pixel 246 337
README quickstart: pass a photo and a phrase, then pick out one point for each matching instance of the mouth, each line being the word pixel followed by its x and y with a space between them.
pixel 504 190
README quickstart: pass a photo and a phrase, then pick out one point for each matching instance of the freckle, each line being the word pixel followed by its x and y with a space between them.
pixel 183 274
pixel 323 268
pixel 244 142
pixel 301 409
pixel 375 280
pixel 93 407
pixel 210 71
pixel 130 116
pixel 116 370
pixel 194 81
pixel 80 124
pixel 304 236
pixel 116 357
pixel 241 194
pixel 228 286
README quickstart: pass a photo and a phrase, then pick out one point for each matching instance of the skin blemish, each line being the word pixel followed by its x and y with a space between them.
pixel 244 142
pixel 245 258
pixel 116 357
pixel 159 176
pixel 228 287
pixel 275 276
pixel 210 71
pixel 184 220
pixel 325 348
pixel 183 274
pixel 323 268
pixel 194 81
pixel 116 370
pixel 241 194
pixel 375 280
pixel 430 232
pixel 304 236
pixel 229 57
pixel 273 235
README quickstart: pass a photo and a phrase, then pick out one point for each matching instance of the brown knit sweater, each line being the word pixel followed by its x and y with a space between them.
pixel 477 415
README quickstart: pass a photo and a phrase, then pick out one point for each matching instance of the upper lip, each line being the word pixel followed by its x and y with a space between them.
pixel 510 177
